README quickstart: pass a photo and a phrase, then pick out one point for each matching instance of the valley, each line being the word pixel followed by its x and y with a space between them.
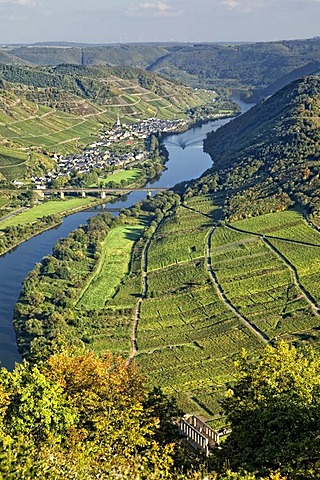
pixel 182 298
pixel 180 286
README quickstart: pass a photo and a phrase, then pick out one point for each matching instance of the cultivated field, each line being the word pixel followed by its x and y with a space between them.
pixel 112 266
pixel 50 207
pixel 185 296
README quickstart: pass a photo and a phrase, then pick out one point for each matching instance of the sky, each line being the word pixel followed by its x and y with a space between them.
pixel 114 21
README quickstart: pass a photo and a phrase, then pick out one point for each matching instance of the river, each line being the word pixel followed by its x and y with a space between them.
pixel 186 161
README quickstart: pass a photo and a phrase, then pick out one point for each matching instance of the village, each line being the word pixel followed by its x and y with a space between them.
pixel 114 150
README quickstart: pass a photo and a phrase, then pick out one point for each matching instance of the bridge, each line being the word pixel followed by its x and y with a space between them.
pixel 102 192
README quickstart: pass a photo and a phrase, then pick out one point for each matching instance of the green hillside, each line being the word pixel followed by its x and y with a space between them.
pixel 46 110
pixel 133 55
pixel 197 285
pixel 213 293
pixel 252 66
pixel 257 68
pixel 268 158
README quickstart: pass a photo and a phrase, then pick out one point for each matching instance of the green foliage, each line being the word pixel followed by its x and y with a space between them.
pixel 268 159
pixel 78 416
pixel 64 300
pixel 274 413
pixel 15 234
pixel 257 65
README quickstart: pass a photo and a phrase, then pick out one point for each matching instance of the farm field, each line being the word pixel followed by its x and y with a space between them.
pixel 296 240
pixel 185 296
pixel 207 204
pixel 132 174
pixel 48 208
pixel 112 267
pixel 179 239
pixel 289 225
pixel 188 338
pixel 306 261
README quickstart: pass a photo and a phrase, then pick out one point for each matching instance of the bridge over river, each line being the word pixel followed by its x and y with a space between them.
pixel 84 191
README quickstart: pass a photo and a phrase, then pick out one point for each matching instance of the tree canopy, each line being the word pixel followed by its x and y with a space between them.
pixel 274 413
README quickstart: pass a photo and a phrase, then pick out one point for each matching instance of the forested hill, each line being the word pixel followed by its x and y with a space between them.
pixel 271 152
pixel 253 66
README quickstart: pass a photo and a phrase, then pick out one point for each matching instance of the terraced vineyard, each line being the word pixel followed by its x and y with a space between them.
pixel 40 118
pixel 296 240
pixel 188 293
pixel 259 284
pixel 187 338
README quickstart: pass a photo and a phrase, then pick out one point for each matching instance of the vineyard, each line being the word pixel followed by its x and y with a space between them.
pixel 258 283
pixel 187 290
pixel 188 339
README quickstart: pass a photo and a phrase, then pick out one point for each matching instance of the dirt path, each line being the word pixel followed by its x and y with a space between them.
pixel 144 292
pixel 261 336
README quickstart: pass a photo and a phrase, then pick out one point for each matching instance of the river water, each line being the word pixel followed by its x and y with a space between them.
pixel 186 161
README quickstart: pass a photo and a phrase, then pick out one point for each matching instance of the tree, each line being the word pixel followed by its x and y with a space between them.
pixel 274 413
pixel 118 423
pixel 35 408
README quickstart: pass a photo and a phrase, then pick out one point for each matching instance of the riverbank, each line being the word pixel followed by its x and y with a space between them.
pixel 28 230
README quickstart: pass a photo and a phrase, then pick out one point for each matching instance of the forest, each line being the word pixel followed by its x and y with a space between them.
pixel 258 69
pixel 268 159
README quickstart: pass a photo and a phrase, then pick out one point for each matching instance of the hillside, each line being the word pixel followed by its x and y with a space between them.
pixel 182 285
pixel 61 109
pixel 269 157
pixel 99 84
pixel 251 67
pixel 135 55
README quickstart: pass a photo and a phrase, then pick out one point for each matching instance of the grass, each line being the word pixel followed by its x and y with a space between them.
pixel 113 267
pixel 47 208
pixel 130 175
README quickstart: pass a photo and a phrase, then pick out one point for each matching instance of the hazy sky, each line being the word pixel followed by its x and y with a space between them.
pixel 107 21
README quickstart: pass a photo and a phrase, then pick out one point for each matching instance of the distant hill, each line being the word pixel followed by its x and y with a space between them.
pixel 253 65
pixel 10 59
pixel 98 83
pixel 134 55
pixel 269 158
pixel 255 68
